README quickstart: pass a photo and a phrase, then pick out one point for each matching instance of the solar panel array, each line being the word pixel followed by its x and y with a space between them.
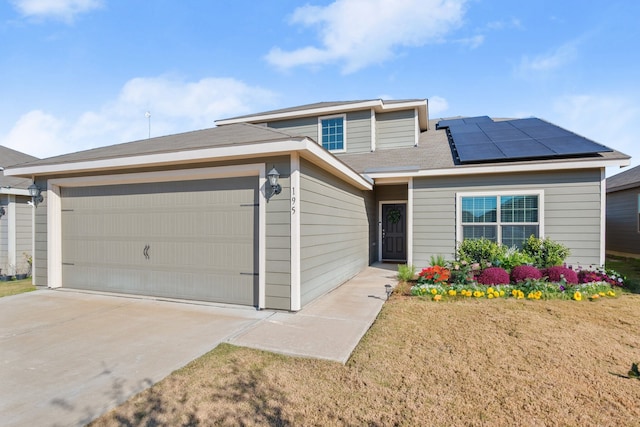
pixel 480 139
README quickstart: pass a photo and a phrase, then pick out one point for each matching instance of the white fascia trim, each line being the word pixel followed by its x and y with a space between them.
pixel 178 157
pixel 274 148
pixel 328 161
pixel 377 104
pixel 416 119
pixel 54 208
pixel 14 191
pixel 295 233
pixel 538 167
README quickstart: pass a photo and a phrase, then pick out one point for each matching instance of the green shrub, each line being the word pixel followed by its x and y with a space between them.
pixel 512 257
pixel 545 253
pixel 480 250
pixel 437 260
pixel 406 272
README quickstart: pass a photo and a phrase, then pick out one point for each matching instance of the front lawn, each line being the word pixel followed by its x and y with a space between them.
pixel 13 287
pixel 463 362
pixel 629 267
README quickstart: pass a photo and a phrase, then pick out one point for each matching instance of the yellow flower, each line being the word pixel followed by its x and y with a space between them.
pixel 433 291
pixel 514 292
pixel 538 294
pixel 520 295
pixel 490 296
pixel 452 292
pixel 531 295
pixel 490 290
pixel 437 297
pixel 501 292
pixel 611 294
pixel 595 296
pixel 601 294
pixel 577 296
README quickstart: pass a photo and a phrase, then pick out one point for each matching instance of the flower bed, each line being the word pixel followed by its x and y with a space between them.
pixel 472 275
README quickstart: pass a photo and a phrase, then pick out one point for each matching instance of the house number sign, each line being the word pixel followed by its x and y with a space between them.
pixel 293 201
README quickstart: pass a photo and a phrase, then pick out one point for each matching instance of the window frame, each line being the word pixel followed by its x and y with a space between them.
pixel 498 224
pixel 344 131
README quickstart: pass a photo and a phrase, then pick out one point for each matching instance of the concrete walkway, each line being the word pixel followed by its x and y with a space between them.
pixel 67 357
pixel 331 326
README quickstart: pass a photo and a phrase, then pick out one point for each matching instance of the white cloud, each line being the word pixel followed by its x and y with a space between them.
pixel 65 10
pixel 549 61
pixel 437 105
pixel 607 119
pixel 175 106
pixel 358 33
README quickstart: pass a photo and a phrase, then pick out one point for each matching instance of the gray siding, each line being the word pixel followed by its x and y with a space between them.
pixel 24 221
pixel 4 235
pixel 358 129
pixel 359 132
pixel 305 126
pixel 334 231
pixel 278 281
pixel 395 129
pixel 622 222
pixel 40 268
pixel 572 210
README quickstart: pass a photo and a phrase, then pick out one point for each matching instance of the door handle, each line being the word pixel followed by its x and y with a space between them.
pixel 145 251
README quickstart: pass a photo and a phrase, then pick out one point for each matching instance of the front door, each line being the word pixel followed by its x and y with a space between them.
pixel 394 232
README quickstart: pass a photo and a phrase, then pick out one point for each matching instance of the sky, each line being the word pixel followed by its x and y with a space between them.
pixel 79 74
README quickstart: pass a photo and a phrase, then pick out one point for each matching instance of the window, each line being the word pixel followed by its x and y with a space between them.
pixel 332 132
pixel 503 218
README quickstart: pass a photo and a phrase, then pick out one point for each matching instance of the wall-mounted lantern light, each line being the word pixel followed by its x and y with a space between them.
pixel 273 187
pixel 2 211
pixel 36 197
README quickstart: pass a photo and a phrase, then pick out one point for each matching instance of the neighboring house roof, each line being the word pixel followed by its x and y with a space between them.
pixel 624 180
pixel 9 157
pixel 335 107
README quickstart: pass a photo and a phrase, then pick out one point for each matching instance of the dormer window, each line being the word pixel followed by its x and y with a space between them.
pixel 332 133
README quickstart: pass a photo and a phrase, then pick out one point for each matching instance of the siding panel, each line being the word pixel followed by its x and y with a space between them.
pixel 395 129
pixel 334 231
pixel 622 222
pixel 572 210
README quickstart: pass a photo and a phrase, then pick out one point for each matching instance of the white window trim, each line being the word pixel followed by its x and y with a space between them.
pixel 344 131
pixel 539 193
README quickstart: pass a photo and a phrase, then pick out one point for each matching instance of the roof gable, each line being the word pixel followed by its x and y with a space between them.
pixel 624 180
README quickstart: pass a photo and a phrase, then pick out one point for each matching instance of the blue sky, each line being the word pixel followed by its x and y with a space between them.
pixel 76 74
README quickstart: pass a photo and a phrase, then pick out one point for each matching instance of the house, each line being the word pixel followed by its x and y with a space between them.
pixel 16 216
pixel 623 213
pixel 196 216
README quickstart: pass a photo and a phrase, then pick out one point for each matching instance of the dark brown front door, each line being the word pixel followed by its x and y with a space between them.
pixel 394 231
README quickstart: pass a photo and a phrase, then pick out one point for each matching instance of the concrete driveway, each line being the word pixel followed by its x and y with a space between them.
pixel 67 357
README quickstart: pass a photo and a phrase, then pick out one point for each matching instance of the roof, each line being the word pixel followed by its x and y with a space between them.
pixel 10 157
pixel 235 135
pixel 433 156
pixel 335 107
pixel 481 139
pixel 624 180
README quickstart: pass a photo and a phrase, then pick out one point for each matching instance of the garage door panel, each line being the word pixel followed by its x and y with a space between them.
pixel 192 239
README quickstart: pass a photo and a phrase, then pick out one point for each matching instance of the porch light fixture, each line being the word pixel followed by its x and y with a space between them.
pixel 274 187
pixel 36 197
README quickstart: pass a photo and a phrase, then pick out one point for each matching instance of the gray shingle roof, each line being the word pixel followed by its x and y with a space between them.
pixel 10 157
pixel 230 135
pixel 624 180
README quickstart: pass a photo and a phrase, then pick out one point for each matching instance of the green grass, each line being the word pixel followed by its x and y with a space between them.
pixel 14 287
pixel 629 267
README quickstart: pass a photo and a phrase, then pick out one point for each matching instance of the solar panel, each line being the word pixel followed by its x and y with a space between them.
pixel 480 139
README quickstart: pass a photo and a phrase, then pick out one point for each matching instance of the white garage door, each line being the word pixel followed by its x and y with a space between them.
pixel 188 239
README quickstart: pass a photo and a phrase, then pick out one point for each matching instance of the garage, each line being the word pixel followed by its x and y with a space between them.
pixel 191 239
